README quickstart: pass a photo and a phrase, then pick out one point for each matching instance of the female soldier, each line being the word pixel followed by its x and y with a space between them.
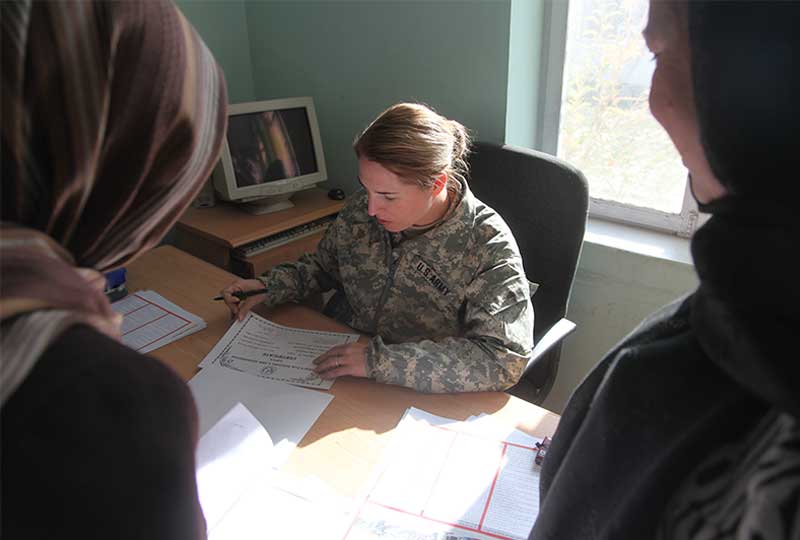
pixel 417 262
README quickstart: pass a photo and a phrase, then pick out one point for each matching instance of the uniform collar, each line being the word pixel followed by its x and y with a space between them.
pixel 452 234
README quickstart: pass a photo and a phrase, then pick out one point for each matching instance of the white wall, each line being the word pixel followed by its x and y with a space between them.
pixel 614 290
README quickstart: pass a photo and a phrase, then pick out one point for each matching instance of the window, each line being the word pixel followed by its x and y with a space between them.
pixel 596 114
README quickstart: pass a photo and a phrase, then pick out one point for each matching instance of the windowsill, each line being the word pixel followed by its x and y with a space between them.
pixel 646 242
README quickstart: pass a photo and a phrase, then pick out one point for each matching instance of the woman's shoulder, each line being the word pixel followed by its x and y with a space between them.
pixel 92 349
pixel 123 428
pixel 484 217
pixel 488 228
pixel 83 365
pixel 355 207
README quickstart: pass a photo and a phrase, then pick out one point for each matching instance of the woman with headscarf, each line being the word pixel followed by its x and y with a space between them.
pixel 690 428
pixel 113 115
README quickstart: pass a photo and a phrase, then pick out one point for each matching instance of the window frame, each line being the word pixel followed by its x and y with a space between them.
pixel 554 34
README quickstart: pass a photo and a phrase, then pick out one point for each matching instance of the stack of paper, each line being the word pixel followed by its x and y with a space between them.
pixel 285 411
pixel 250 425
pixel 285 512
pixel 441 480
pixel 151 321
pixel 250 366
pixel 446 479
pixel 230 457
pixel 243 497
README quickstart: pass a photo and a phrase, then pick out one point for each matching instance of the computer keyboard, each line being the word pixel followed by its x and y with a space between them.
pixel 283 237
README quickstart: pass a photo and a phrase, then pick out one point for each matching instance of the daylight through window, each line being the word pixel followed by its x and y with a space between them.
pixel 606 128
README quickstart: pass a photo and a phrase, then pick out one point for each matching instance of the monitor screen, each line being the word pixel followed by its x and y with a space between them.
pixel 272 151
pixel 271 145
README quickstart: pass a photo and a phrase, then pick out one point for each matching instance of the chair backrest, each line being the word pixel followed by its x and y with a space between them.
pixel 545 202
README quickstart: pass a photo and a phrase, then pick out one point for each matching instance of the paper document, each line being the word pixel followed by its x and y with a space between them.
pixel 243 498
pixel 260 347
pixel 151 321
pixel 285 511
pixel 448 479
pixel 230 457
pixel 285 411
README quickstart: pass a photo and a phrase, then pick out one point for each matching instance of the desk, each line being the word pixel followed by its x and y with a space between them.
pixel 342 447
pixel 211 233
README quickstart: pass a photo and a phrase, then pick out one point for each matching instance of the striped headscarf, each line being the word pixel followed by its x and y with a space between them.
pixel 113 116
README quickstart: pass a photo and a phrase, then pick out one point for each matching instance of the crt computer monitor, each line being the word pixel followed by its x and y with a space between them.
pixel 272 150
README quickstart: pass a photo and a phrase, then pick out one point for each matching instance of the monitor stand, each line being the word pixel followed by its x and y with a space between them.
pixel 268 205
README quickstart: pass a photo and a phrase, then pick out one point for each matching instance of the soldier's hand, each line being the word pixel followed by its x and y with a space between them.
pixel 240 308
pixel 350 359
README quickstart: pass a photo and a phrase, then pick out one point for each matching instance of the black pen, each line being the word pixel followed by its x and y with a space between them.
pixel 241 295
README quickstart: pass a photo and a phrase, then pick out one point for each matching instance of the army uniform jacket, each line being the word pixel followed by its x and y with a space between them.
pixel 449 308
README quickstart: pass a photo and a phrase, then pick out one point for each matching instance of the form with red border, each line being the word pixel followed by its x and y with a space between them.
pixel 446 479
pixel 151 321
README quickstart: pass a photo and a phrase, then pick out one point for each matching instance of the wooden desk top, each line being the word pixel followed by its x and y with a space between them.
pixel 227 225
pixel 348 439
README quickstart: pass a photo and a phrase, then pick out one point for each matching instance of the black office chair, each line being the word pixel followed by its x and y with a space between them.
pixel 545 202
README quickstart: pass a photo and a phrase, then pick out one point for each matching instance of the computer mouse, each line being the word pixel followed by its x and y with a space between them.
pixel 336 194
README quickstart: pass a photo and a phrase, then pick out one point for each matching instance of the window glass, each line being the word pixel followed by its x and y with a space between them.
pixel 607 130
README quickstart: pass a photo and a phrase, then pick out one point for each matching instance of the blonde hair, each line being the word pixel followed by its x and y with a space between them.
pixel 417 144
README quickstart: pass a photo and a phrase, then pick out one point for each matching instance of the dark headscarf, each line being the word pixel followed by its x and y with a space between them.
pixel 745 75
pixel 746 311
pixel 113 115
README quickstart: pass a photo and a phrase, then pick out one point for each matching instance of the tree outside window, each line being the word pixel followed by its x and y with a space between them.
pixel 607 130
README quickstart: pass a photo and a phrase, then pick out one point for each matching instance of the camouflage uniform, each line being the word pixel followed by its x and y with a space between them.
pixel 449 308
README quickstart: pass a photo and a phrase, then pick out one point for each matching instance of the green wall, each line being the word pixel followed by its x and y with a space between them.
pixel 524 66
pixel 222 25
pixel 356 58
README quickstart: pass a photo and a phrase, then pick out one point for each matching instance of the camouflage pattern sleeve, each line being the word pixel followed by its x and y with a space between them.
pixel 490 354
pixel 310 274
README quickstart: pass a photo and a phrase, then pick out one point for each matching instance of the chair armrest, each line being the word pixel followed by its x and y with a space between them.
pixel 557 332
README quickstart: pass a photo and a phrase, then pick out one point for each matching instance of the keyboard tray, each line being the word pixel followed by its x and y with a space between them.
pixel 284 237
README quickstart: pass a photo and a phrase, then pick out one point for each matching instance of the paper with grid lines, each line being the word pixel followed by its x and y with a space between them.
pixel 151 321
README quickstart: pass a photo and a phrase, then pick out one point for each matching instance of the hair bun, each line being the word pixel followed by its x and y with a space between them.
pixel 461 140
